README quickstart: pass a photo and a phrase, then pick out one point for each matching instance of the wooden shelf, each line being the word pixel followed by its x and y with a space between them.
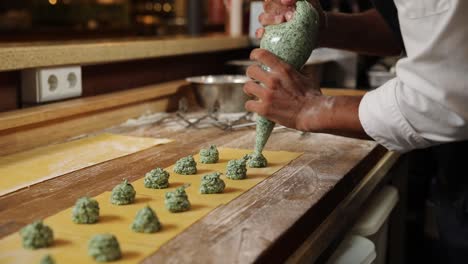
pixel 46 54
pixel 82 106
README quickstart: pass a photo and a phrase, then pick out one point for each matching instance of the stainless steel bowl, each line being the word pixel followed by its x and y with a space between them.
pixel 224 92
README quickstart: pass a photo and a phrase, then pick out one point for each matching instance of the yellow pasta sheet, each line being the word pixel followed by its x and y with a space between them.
pixel 34 166
pixel 73 238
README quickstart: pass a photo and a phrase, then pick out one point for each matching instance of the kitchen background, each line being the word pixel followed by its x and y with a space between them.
pixel 80 21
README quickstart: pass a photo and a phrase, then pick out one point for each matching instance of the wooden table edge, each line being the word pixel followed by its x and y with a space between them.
pixel 323 236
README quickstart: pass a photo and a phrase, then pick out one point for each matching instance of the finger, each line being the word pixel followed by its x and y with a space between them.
pixel 255 107
pixel 259 33
pixel 267 58
pixel 266 19
pixel 257 73
pixel 314 91
pixel 289 15
pixel 272 7
pixel 277 7
pixel 252 88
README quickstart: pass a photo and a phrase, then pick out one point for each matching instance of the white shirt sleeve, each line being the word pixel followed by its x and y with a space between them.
pixel 427 104
pixel 383 120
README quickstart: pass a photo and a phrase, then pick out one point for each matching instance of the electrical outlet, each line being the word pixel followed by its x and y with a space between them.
pixel 50 84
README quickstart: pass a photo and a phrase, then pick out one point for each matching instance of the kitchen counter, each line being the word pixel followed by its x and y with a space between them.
pixel 295 214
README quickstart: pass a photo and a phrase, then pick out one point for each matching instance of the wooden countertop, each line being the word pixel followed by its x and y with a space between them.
pixel 268 223
pixel 47 54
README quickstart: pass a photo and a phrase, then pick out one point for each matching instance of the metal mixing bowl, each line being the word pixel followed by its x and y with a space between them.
pixel 224 92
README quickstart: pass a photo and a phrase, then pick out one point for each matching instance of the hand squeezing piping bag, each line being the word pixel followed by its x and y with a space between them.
pixel 292 42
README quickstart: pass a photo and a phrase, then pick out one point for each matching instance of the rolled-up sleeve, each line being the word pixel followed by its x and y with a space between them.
pixel 402 119
pixel 427 104
pixel 383 120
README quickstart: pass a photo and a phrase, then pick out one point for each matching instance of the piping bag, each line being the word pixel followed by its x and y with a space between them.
pixel 292 42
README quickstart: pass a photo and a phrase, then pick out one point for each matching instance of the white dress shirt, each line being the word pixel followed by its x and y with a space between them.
pixel 427 103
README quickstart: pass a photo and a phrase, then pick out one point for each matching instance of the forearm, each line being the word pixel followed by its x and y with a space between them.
pixel 365 32
pixel 338 115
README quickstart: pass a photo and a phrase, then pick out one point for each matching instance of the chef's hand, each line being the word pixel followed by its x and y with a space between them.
pixel 286 96
pixel 291 99
pixel 280 11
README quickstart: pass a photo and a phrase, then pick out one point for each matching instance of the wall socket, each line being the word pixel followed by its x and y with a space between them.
pixel 50 84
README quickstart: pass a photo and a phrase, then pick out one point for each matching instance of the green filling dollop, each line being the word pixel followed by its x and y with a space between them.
pixel 177 201
pixel 257 160
pixel 146 221
pixel 86 211
pixel 186 166
pixel 210 155
pixel 37 235
pixel 157 179
pixel 123 193
pixel 212 183
pixel 237 169
pixel 104 248
pixel 47 259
